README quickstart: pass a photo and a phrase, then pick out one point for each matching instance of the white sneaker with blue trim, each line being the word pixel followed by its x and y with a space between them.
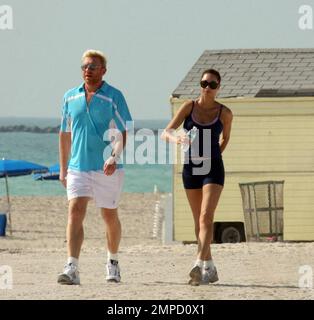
pixel 113 271
pixel 70 275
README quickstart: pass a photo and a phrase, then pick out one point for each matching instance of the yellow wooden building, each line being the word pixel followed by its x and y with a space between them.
pixel 271 95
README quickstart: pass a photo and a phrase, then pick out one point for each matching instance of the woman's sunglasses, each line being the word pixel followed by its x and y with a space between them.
pixel 212 84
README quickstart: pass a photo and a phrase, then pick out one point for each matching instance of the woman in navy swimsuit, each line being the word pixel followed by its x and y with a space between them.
pixel 203 171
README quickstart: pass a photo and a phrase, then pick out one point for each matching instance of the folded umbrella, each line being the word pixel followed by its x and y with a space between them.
pixel 15 168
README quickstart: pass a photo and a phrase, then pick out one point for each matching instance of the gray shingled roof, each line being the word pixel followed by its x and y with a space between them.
pixel 254 72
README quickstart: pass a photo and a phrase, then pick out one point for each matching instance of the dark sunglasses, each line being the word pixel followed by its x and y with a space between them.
pixel 212 84
pixel 90 66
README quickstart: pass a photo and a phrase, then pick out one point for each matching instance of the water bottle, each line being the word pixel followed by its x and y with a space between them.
pixel 191 135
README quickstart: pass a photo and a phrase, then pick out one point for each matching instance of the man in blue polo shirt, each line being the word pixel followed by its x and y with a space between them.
pixel 89 167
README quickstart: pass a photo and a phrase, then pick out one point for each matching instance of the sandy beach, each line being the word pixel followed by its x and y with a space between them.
pixel 36 253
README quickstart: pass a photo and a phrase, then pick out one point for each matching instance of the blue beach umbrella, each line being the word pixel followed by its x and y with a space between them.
pixel 15 168
pixel 52 174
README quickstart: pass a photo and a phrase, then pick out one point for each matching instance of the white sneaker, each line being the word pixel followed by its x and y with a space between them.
pixel 209 275
pixel 196 276
pixel 70 275
pixel 113 271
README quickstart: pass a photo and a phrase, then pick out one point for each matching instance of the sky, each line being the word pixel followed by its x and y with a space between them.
pixel 150 46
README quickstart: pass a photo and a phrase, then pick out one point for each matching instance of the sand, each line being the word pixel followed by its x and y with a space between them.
pixel 36 253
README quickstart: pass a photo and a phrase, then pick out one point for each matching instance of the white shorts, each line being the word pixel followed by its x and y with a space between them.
pixel 105 190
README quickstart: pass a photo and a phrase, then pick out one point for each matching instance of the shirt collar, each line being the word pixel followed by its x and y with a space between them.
pixel 102 88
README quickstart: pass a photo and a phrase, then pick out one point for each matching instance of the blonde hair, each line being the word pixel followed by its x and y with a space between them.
pixel 95 54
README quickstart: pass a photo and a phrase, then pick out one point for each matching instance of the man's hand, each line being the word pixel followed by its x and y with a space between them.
pixel 62 178
pixel 110 166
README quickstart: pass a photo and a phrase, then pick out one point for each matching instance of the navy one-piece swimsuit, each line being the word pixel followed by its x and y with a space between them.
pixel 207 167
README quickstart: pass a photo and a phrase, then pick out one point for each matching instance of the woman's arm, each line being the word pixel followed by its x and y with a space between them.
pixel 183 112
pixel 226 118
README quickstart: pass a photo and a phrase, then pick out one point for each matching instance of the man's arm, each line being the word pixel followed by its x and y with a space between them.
pixel 120 142
pixel 64 152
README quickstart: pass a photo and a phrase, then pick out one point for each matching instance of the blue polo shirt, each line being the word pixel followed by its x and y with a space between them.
pixel 89 124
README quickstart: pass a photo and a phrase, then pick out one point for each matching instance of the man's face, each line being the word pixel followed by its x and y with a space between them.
pixel 92 70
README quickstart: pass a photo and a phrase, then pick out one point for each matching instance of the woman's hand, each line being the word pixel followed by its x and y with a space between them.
pixel 183 138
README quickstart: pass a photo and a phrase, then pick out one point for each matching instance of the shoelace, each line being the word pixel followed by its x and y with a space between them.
pixel 113 268
pixel 209 271
pixel 70 266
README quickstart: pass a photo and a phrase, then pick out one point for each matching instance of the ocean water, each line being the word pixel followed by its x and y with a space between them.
pixel 42 148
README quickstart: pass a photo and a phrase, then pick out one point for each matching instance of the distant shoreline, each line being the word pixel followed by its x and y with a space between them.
pixel 32 129
pixel 36 129
pixel 52 125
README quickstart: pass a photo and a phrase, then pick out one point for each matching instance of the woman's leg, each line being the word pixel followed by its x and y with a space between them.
pixel 195 200
pixel 210 198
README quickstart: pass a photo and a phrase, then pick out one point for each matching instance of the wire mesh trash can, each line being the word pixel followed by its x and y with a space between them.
pixel 263 210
